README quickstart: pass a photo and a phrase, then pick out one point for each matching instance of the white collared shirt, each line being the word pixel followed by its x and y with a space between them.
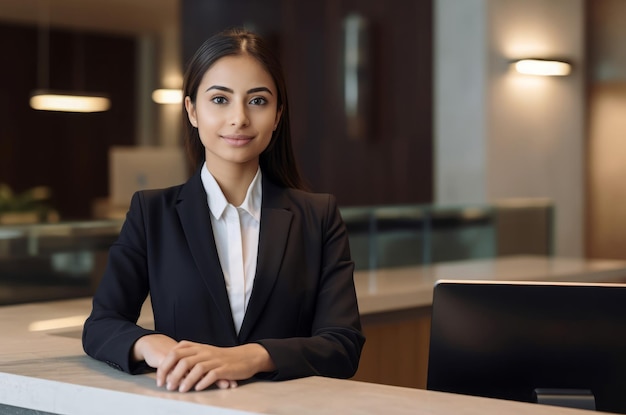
pixel 236 232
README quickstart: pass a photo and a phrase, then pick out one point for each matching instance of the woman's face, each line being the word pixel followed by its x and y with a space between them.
pixel 236 112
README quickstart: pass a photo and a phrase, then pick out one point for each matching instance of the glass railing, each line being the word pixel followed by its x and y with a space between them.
pixel 66 260
pixel 391 236
pixel 53 261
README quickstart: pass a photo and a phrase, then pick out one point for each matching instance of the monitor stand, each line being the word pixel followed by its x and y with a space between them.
pixel 572 398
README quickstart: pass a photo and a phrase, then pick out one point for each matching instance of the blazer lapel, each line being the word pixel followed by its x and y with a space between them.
pixel 195 219
pixel 273 235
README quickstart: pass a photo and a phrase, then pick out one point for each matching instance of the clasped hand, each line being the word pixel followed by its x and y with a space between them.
pixel 185 365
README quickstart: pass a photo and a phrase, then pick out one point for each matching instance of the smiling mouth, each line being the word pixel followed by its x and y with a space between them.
pixel 237 140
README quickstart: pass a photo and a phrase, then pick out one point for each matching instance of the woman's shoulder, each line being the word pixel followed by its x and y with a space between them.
pixel 306 200
pixel 309 196
pixel 150 198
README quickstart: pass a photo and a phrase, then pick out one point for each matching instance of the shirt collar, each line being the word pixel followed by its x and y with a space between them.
pixel 217 201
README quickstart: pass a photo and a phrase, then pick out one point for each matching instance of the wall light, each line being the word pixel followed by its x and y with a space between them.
pixel 46 100
pixel 542 67
pixel 167 96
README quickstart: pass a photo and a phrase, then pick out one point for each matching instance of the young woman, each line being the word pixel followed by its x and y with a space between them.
pixel 248 274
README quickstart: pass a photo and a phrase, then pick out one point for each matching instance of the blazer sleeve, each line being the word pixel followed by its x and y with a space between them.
pixel 110 331
pixel 334 347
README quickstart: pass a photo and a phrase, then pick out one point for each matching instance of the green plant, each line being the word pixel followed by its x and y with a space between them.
pixel 31 200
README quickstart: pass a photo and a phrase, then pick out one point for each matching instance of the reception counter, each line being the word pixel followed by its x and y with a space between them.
pixel 395 306
pixel 43 367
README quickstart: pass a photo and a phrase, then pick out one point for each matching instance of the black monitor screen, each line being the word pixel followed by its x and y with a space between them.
pixel 506 339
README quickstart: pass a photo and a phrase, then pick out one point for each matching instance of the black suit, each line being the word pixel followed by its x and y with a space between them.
pixel 303 306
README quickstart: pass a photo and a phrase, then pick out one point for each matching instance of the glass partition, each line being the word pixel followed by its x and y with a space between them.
pixel 66 260
pixel 53 261
pixel 392 236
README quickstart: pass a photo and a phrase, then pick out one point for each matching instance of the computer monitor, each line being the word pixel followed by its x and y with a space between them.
pixel 133 168
pixel 556 343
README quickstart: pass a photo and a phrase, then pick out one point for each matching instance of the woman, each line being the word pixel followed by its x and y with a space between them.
pixel 248 274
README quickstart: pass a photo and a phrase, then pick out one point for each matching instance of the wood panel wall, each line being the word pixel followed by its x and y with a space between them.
pixel 606 128
pixel 393 162
pixel 66 151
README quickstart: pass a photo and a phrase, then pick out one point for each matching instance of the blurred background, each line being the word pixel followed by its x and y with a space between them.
pixel 401 102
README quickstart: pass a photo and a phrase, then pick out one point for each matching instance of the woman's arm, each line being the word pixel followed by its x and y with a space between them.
pixel 334 345
pixel 111 330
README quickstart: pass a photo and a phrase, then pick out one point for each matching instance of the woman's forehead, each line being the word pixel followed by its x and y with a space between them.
pixel 238 72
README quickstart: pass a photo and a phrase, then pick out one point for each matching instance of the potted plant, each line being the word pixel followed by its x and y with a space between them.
pixel 31 206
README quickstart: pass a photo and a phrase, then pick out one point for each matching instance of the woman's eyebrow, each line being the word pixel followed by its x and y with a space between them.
pixel 221 88
pixel 260 89
pixel 229 90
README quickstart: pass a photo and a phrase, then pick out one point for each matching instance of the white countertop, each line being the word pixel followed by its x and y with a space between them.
pixel 44 368
pixel 48 371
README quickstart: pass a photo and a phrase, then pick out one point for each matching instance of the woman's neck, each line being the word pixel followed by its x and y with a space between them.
pixel 234 182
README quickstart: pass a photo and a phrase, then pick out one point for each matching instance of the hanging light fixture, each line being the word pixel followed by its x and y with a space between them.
pixel 48 100
pixel 45 99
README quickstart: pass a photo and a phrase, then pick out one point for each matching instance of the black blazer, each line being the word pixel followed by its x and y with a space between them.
pixel 303 306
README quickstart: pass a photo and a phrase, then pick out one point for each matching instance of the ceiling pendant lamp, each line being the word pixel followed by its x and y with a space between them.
pixel 45 99
pixel 48 100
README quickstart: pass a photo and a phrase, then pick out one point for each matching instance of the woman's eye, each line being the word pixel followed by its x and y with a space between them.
pixel 258 101
pixel 219 100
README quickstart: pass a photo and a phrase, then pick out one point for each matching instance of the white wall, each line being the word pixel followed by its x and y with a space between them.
pixel 533 139
pixel 171 77
pixel 159 66
pixel 460 90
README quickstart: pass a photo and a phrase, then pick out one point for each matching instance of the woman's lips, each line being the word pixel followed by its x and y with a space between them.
pixel 237 140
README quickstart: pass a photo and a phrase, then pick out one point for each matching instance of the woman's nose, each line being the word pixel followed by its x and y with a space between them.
pixel 239 116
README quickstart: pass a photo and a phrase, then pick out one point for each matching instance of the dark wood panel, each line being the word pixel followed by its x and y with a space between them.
pixel 66 151
pixel 203 18
pixel 393 164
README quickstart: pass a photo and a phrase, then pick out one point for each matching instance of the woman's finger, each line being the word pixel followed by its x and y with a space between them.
pixel 191 379
pixel 210 378
pixel 223 384
pixel 170 363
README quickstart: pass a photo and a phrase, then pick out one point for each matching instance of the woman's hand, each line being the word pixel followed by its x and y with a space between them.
pixel 193 365
pixel 153 348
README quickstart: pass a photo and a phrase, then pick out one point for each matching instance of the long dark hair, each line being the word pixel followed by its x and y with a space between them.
pixel 277 161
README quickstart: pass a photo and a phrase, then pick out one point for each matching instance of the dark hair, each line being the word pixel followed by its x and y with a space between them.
pixel 277 161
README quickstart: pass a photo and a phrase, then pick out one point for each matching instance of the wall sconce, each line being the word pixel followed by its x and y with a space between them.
pixel 542 67
pixel 167 96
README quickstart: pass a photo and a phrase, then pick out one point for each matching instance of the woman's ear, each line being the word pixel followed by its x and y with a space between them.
pixel 191 111
pixel 278 115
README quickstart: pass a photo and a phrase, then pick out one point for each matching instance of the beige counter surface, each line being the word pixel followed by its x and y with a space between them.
pixel 46 370
pixel 408 287
pixel 43 367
